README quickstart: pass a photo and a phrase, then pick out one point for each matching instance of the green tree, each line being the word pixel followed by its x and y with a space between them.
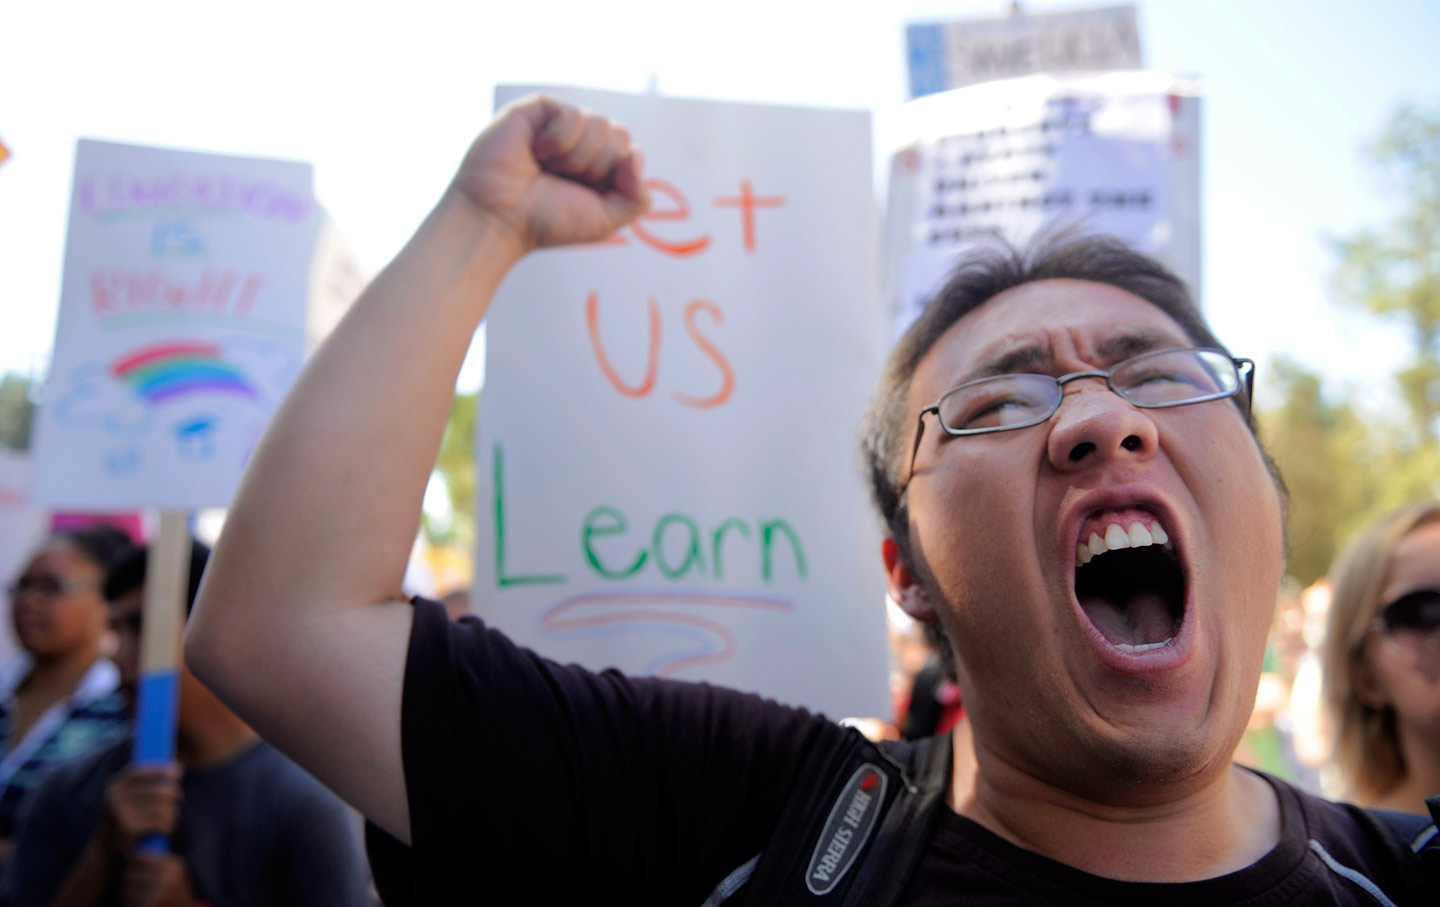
pixel 1342 466
pixel 1394 270
pixel 1331 463
pixel 456 466
pixel 17 411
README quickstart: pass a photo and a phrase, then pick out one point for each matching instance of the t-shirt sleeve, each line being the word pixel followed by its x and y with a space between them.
pixel 539 783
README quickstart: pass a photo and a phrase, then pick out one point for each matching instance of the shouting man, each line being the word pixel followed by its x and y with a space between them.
pixel 1063 456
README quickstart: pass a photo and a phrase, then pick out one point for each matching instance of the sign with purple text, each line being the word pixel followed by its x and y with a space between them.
pixel 668 448
pixel 182 322
pixel 1114 153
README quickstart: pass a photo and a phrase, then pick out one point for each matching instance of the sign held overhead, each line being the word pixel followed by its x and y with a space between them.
pixel 945 55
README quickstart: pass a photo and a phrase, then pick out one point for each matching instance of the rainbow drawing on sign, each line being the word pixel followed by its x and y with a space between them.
pixel 168 370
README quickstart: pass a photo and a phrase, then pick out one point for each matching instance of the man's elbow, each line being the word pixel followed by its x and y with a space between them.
pixel 204 653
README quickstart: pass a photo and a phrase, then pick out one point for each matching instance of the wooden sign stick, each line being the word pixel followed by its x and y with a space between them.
pixel 158 690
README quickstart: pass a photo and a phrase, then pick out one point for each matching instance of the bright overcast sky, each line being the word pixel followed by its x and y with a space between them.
pixel 383 99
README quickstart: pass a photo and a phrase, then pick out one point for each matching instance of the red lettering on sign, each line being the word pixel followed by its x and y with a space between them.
pixel 118 291
pixel 747 201
pixel 680 212
pixel 652 366
pixel 727 374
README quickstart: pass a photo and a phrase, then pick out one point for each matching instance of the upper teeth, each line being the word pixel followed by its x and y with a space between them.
pixel 1116 536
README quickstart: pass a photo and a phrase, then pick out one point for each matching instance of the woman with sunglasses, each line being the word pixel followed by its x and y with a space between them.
pixel 61 698
pixel 1382 660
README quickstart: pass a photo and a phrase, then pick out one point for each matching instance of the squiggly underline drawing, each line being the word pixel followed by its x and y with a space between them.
pixel 713 641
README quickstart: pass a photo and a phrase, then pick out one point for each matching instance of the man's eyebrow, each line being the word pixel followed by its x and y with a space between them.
pixel 1132 342
pixel 1008 363
pixel 1136 341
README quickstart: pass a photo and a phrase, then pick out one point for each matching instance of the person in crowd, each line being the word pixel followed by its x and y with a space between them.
pixel 933 704
pixel 1063 458
pixel 1382 660
pixel 245 825
pixel 61 697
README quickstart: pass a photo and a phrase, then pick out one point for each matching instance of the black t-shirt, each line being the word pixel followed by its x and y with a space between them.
pixel 536 783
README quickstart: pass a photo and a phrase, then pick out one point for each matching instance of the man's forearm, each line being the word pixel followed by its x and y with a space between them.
pixel 331 499
pixel 298 625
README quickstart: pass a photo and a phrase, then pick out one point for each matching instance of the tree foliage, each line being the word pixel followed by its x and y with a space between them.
pixel 17 411
pixel 1344 466
pixel 1394 270
pixel 456 466
pixel 1326 456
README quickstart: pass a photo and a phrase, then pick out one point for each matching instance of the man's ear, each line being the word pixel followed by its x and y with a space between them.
pixel 901 584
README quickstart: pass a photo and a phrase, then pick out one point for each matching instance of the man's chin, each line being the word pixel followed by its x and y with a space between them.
pixel 1134 763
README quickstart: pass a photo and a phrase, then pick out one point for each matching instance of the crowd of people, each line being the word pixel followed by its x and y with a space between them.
pixel 1075 504
pixel 242 823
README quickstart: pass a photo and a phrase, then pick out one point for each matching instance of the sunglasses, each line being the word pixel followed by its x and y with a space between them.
pixel 1413 618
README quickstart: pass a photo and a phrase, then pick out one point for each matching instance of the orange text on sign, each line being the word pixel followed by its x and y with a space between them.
pixel 652 361
pixel 670 207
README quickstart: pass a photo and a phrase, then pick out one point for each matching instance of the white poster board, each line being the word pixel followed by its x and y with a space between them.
pixel 182 322
pixel 22 528
pixel 1116 153
pixel 944 55
pixel 668 429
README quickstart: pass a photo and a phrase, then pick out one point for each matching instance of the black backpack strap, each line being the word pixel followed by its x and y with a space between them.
pixel 909 824
pixel 854 825
pixel 1415 847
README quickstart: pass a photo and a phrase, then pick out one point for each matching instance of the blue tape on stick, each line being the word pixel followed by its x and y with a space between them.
pixel 157 696
pixel 155 717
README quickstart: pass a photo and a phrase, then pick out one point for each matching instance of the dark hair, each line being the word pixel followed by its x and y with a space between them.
pixel 129 574
pixel 102 544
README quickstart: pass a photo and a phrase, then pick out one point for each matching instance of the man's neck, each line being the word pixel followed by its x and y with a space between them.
pixel 1217 828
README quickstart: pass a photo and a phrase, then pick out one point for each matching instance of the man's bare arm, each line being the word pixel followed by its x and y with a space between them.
pixel 299 625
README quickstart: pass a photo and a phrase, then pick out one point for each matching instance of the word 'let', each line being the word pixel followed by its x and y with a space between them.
pixel 670 207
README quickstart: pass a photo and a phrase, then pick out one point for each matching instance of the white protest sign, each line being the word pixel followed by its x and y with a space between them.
pixel 668 430
pixel 961 52
pixel 22 527
pixel 182 322
pixel 1116 153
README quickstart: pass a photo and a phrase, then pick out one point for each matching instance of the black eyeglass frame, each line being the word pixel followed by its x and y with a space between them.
pixel 1244 373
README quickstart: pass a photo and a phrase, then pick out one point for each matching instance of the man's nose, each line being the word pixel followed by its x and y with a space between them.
pixel 1094 424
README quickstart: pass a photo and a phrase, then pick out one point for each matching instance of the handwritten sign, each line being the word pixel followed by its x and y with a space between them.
pixel 669 422
pixel 182 322
pixel 1116 153
pixel 962 52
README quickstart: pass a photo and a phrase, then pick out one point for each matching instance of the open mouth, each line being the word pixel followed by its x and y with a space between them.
pixel 1129 582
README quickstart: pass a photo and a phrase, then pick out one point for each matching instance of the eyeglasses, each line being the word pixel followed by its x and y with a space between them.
pixel 47 586
pixel 1154 380
pixel 1413 619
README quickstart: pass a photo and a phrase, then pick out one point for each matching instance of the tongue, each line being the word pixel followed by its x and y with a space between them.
pixel 1143 620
